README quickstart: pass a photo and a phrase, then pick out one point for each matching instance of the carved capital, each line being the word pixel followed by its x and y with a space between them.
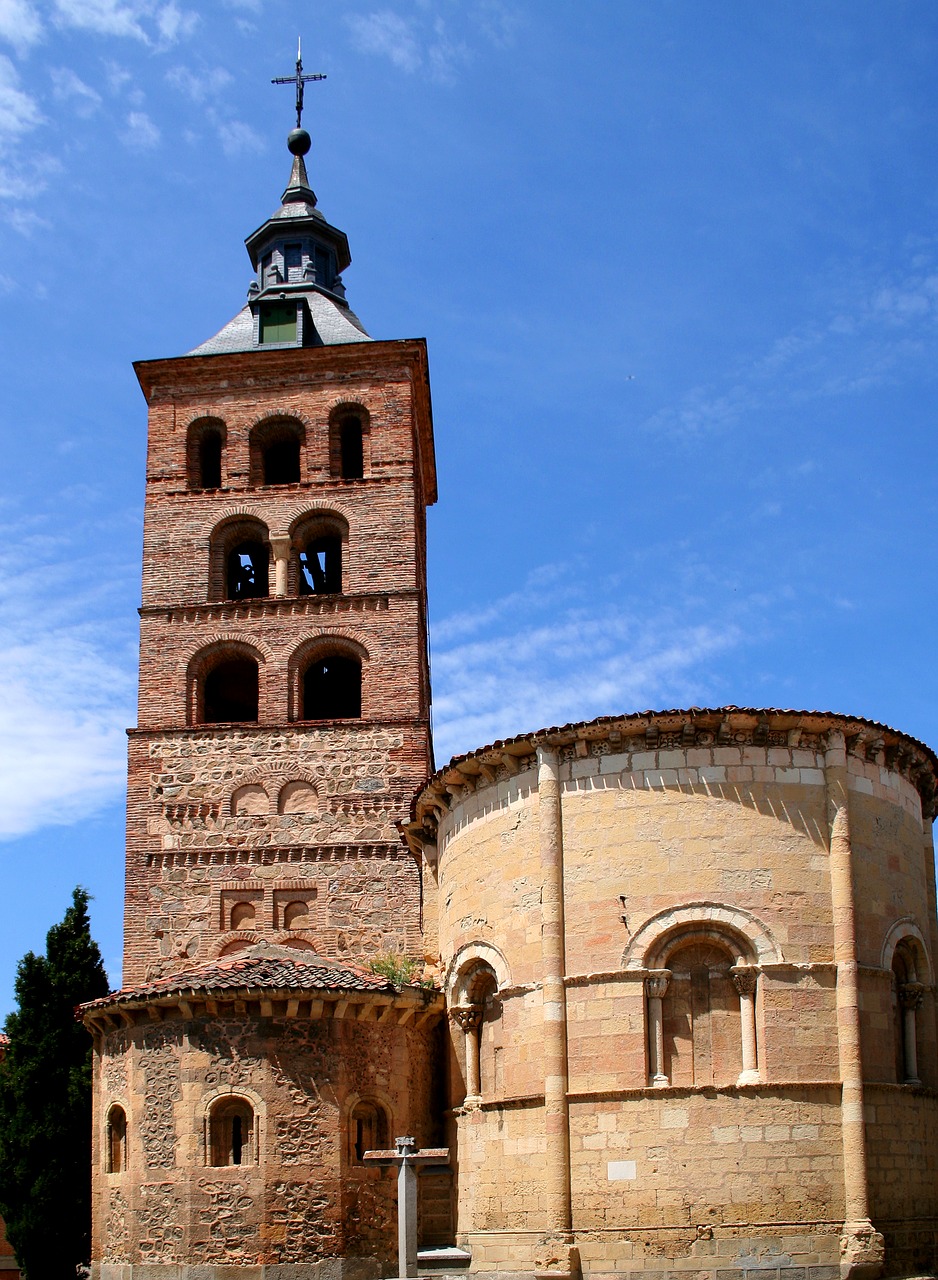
pixel 656 984
pixel 467 1018
pixel 744 979
pixel 280 546
pixel 911 994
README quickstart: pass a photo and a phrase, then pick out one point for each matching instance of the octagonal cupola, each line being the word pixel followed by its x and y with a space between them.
pixel 297 298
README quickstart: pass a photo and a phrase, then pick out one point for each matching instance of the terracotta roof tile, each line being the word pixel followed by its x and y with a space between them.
pixel 251 971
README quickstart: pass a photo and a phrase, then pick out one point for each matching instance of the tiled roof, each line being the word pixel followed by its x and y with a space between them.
pixel 334 324
pixel 250 971
pixel 636 717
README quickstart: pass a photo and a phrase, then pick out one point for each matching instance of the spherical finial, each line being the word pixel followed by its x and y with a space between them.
pixel 299 142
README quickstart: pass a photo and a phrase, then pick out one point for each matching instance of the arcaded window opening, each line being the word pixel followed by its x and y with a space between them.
pixel 477 1016
pixel 231 1137
pixel 239 560
pixel 700 1008
pixel 248 571
pixel 349 442
pixel 205 448
pixel 321 542
pixel 907 994
pixel 276 450
pixel 224 686
pixel 115 1142
pixel 331 688
pixel 321 566
pixel 369 1129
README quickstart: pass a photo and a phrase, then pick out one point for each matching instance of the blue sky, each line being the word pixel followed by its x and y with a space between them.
pixel 677 265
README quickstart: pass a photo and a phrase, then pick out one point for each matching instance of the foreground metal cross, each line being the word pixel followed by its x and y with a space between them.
pixel 407 1158
pixel 299 80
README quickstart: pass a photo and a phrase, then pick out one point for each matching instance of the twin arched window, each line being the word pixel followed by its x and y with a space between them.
pixel 224 685
pixel 241 554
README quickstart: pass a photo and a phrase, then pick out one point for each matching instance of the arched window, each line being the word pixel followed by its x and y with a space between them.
pixel 296 915
pixel 239 559
pixel 701 1014
pixel 223 685
pixel 908 993
pixel 477 1015
pixel 276 452
pixel 247 575
pixel 369 1129
pixel 332 688
pixel 231 1137
pixel 349 439
pixel 231 692
pixel 321 566
pixel 297 797
pixel 321 541
pixel 116 1140
pixel 352 449
pixel 205 447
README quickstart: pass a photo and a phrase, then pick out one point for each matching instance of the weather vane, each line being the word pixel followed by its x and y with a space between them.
pixel 299 80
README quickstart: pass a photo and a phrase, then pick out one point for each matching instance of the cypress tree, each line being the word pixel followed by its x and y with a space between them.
pixel 45 1102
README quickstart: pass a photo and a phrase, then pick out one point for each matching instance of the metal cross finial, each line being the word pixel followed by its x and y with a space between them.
pixel 299 80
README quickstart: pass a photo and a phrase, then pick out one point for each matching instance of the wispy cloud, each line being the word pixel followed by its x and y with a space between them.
pixel 541 656
pixel 199 85
pixel 18 111
pixel 20 24
pixel 238 138
pixel 389 35
pixel 141 133
pixel 70 88
pixel 426 40
pixel 67 692
pixel 154 24
pixel 878 333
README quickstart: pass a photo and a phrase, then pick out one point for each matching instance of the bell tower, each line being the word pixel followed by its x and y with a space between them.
pixel 284 684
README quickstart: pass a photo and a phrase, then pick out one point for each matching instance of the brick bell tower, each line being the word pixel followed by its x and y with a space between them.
pixel 284 683
pixel 253 1055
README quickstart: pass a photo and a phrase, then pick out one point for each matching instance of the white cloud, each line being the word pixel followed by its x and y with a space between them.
pixel 199 85
pixel 19 24
pixel 18 111
pixel 68 87
pixel 141 132
pixel 884 327
pixel 238 138
pixel 67 696
pixel 104 17
pixel 173 24
pixel 388 35
pixel 127 18
pixel 558 660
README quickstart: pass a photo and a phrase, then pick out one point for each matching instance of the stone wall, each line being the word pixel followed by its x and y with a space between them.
pixel 302 1198
pixel 190 858
pixel 697 899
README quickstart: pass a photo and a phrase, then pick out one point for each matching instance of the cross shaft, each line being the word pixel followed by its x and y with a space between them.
pixel 300 80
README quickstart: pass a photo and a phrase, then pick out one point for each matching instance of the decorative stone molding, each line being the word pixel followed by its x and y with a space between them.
pixel 752 939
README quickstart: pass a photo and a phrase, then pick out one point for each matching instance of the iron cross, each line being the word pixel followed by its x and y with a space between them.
pixel 299 80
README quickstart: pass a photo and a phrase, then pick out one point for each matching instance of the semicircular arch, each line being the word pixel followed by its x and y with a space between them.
pixel 754 941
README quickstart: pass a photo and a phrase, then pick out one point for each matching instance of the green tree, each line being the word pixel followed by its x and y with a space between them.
pixel 45 1102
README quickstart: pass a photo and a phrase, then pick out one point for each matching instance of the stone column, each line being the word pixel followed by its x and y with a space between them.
pixel 861 1247
pixel 744 980
pixel 553 963
pixel 469 1018
pixel 406 1208
pixel 910 999
pixel 281 546
pixel 656 988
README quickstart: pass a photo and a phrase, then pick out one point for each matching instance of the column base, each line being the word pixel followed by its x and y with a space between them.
pixel 556 1259
pixel 749 1077
pixel 862 1251
pixel 660 1082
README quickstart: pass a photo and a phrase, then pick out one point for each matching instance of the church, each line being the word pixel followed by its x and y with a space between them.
pixel 661 984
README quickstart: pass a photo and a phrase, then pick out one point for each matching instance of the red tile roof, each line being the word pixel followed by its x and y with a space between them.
pixel 251 971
